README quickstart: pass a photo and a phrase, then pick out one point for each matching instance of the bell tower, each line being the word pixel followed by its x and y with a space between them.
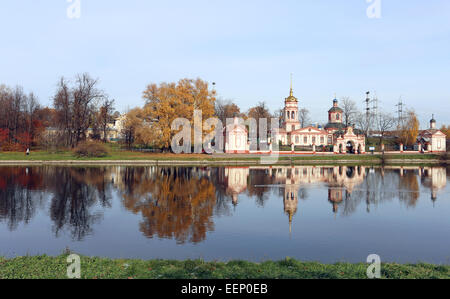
pixel 335 114
pixel 291 120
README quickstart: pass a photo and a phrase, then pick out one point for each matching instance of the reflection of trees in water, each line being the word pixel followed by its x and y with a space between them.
pixel 179 203
pixel 223 205
pixel 377 187
pixel 409 188
pixel 19 198
pixel 303 193
pixel 74 192
pixel 174 202
pixel 258 185
pixel 382 186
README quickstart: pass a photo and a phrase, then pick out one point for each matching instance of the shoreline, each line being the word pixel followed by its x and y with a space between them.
pixel 213 162
pixel 46 267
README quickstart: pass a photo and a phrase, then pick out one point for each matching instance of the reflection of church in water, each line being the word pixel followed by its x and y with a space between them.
pixel 340 179
pixel 341 182
pixel 434 178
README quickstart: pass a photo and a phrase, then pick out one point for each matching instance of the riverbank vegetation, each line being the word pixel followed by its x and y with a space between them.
pixel 46 267
pixel 81 111
pixel 113 153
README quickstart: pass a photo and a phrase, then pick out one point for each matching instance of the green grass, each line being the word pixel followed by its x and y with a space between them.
pixel 115 154
pixel 45 267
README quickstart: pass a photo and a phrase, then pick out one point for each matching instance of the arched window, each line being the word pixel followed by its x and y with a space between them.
pixel 337 116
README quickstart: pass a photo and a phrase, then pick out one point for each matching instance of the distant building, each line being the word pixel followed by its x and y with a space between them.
pixel 432 139
pixel 343 139
pixel 236 138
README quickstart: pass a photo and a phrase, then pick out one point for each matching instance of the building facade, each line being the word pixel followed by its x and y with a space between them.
pixel 336 135
pixel 432 140
pixel 236 138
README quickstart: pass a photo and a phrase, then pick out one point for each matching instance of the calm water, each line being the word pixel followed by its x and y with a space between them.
pixel 325 214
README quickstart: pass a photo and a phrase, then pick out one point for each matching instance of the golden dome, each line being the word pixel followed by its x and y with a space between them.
pixel 291 97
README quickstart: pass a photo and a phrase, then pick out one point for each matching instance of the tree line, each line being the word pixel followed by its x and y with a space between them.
pixel 81 111
pixel 149 126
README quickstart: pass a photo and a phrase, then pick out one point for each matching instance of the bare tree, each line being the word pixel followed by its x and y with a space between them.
pixel 30 106
pixel 225 110
pixel 106 116
pixel 18 112
pixel 303 116
pixel 260 112
pixel 350 111
pixel 384 122
pixel 364 122
pixel 85 98
pixel 62 103
pixel 279 114
pixel 76 107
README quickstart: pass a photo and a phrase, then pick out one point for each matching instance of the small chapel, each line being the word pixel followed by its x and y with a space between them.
pixel 432 139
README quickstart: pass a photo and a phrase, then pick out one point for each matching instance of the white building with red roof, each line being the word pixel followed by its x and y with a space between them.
pixel 432 139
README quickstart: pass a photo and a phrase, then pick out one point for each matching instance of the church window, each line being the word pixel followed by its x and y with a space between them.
pixel 337 116
pixel 305 140
pixel 314 139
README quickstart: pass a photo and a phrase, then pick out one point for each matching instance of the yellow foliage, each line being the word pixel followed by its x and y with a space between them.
pixel 446 131
pixel 410 129
pixel 169 101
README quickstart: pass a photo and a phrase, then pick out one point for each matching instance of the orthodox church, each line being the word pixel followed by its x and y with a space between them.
pixel 432 140
pixel 336 135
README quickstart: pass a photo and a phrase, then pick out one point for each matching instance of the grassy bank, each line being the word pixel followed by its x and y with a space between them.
pixel 116 155
pixel 45 267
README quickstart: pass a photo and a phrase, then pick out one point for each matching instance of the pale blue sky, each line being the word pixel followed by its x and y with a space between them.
pixel 249 47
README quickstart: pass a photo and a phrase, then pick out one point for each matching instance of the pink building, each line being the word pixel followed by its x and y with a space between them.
pixel 236 138
pixel 343 139
pixel 432 139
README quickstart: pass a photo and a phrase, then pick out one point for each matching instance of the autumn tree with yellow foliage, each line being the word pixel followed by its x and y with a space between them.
pixel 409 129
pixel 131 124
pixel 169 101
pixel 446 131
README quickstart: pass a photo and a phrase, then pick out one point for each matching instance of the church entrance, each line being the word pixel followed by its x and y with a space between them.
pixel 359 149
pixel 350 147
